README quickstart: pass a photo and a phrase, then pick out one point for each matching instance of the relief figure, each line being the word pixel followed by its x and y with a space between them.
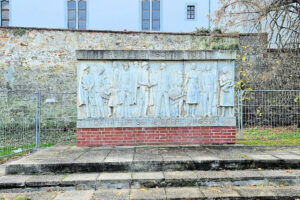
pixel 209 87
pixel 226 92
pixel 162 89
pixel 192 91
pixel 125 92
pixel 176 94
pixel 144 89
pixel 113 90
pixel 101 94
pixel 87 95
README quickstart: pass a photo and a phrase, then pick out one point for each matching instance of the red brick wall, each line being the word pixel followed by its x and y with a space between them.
pixel 155 136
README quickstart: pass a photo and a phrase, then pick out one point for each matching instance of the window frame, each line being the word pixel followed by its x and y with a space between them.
pixel 148 12
pixel 195 5
pixel 151 13
pixel 85 15
pixel 5 10
pixel 191 12
pixel 152 18
pixel 68 14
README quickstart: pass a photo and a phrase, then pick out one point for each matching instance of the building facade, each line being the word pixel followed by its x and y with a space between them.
pixel 117 15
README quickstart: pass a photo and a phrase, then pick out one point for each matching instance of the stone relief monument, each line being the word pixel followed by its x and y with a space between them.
pixel 155 88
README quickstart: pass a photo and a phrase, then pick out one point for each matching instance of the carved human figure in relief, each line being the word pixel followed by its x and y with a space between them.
pixel 192 91
pixel 101 93
pixel 226 92
pixel 202 92
pixel 113 90
pixel 162 89
pixel 87 95
pixel 125 96
pixel 209 87
pixel 176 94
pixel 144 89
pixel 134 82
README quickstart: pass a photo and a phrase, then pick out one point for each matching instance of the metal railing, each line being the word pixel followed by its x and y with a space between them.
pixel 18 117
pixel 29 120
pixel 268 114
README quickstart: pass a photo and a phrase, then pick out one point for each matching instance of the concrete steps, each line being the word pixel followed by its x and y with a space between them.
pixel 170 193
pixel 62 160
pixel 155 179
pixel 213 172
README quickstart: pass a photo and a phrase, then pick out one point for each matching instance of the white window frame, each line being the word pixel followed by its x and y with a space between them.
pixel 151 19
pixel 77 14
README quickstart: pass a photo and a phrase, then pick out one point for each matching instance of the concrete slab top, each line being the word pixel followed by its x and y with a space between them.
pixel 152 158
pixel 63 154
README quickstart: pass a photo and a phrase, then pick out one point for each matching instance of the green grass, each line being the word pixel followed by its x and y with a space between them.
pixel 270 142
pixel 7 153
pixel 16 198
pixel 271 136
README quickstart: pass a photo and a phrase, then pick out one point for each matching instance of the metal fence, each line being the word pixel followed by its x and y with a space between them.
pixel 268 114
pixel 31 120
pixel 18 117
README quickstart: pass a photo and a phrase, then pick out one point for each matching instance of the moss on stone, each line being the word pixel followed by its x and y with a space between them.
pixel 215 43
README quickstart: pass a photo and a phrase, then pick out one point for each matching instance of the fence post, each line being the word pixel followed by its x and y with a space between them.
pixel 238 115
pixel 40 109
pixel 38 121
pixel 241 116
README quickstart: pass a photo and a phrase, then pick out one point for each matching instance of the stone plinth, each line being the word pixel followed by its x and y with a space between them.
pixel 155 97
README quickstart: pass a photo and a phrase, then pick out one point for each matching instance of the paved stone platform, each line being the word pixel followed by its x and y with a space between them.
pixel 72 159
pixel 136 173
pixel 185 193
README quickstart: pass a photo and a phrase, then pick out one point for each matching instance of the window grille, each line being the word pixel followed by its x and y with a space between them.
pixel 190 12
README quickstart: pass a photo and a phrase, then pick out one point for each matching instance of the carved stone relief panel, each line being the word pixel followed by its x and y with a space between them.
pixel 140 89
pixel 152 93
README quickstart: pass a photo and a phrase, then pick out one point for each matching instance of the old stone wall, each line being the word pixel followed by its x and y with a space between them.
pixel 43 59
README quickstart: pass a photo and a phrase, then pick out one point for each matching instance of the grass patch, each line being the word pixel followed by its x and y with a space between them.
pixel 270 142
pixel 271 136
pixel 7 153
pixel 16 198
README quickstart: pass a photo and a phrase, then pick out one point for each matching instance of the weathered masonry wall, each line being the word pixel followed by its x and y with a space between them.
pixel 43 59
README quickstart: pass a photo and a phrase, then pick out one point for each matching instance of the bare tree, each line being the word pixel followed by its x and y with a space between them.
pixel 279 18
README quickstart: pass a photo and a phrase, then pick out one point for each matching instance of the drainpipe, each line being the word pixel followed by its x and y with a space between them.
pixel 209 14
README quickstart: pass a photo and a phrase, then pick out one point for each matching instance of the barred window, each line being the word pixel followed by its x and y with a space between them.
pixel 5 13
pixel 146 15
pixel 190 12
pixel 82 15
pixel 71 14
pixel 155 15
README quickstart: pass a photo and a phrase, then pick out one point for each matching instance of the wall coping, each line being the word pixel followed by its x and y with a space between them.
pixel 165 55
pixel 229 35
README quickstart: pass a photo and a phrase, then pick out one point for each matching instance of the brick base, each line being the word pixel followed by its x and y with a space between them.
pixel 155 136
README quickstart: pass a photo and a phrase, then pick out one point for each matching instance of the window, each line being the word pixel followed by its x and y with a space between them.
pixel 82 15
pixel 155 15
pixel 151 15
pixel 71 14
pixel 5 13
pixel 77 14
pixel 191 12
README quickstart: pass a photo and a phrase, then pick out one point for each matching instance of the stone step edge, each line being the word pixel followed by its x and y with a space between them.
pixel 184 193
pixel 136 166
pixel 161 179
